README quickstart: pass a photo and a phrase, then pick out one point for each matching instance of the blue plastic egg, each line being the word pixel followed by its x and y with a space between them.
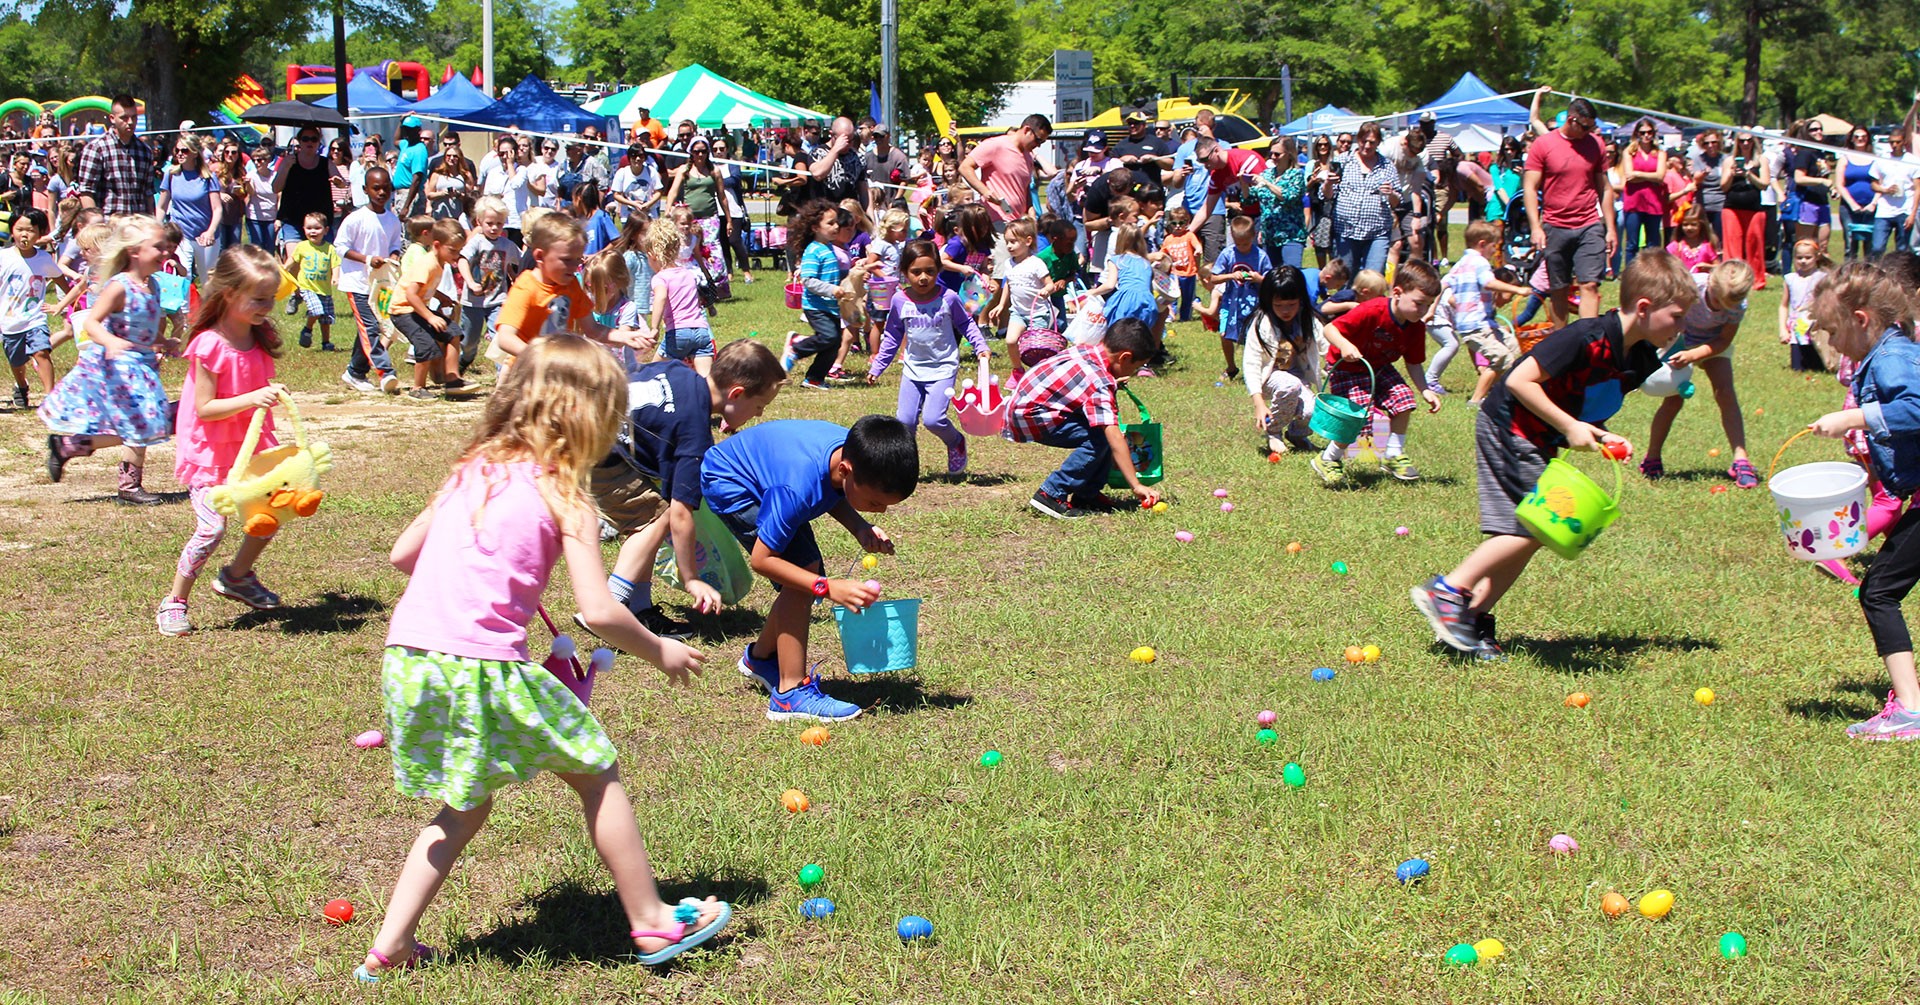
pixel 1323 673
pixel 913 927
pixel 816 907
pixel 1412 869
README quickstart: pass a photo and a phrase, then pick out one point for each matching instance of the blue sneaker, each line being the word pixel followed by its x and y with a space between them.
pixel 808 702
pixel 765 674
pixel 1446 610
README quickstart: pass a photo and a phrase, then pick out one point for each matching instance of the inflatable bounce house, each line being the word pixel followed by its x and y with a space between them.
pixel 246 94
pixel 73 116
pixel 408 80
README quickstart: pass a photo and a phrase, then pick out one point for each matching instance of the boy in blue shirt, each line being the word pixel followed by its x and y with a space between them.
pixel 1235 280
pixel 768 484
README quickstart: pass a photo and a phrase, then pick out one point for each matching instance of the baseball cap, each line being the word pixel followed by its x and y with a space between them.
pixel 1136 116
pixel 411 121
pixel 1096 140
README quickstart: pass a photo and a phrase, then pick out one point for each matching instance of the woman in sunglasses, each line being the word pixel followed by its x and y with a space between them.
pixel 192 199
pixel 305 184
pixel 1643 170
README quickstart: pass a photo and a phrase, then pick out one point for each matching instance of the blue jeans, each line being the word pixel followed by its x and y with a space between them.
pixel 1089 458
pixel 1366 253
pixel 1885 227
pixel 369 351
pixel 686 343
pixel 1287 254
pixel 479 322
pixel 262 233
pixel 1642 230
pixel 1186 296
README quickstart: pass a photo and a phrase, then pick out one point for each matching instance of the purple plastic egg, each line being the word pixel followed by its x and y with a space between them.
pixel 1226 507
pixel 1563 844
pixel 1401 532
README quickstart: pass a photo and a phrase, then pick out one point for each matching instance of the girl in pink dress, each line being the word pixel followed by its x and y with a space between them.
pixel 230 373
pixel 1694 247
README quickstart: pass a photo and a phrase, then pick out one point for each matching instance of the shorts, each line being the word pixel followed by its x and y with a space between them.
pixel 686 343
pixel 23 346
pixel 1492 347
pixel 319 306
pixel 1395 396
pixel 1506 468
pixel 1815 214
pixel 427 343
pixel 1575 255
pixel 745 525
pixel 628 499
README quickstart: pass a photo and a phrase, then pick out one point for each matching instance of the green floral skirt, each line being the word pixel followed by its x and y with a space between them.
pixel 461 729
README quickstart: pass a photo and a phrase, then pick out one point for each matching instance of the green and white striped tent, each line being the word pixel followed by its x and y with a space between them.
pixel 710 100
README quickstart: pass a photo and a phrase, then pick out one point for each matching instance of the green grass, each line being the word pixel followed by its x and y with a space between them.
pixel 173 813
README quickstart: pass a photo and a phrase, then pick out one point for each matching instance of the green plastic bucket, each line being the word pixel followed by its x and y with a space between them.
pixel 1336 418
pixel 1567 510
pixel 881 639
pixel 1143 442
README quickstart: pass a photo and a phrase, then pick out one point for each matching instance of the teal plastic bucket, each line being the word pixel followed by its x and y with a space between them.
pixel 1335 418
pixel 882 639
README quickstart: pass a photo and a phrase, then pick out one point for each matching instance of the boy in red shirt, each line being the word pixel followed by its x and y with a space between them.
pixel 1382 331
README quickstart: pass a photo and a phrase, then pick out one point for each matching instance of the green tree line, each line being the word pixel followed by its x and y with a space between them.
pixel 1765 61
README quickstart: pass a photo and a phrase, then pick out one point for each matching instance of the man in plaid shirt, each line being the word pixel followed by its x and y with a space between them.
pixel 116 170
pixel 1068 401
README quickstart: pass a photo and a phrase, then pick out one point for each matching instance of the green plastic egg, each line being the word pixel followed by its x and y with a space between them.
pixel 1266 736
pixel 1462 955
pixel 1733 945
pixel 1339 568
pixel 990 759
pixel 811 876
pixel 1293 775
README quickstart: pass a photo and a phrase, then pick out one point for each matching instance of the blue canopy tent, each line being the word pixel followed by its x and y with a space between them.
pixel 367 96
pixel 533 106
pixel 1326 119
pixel 1470 102
pixel 456 99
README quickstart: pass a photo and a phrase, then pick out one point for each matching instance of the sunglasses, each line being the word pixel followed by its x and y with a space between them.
pixel 308 139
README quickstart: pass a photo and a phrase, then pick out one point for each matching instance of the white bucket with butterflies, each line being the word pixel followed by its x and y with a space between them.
pixel 1822 507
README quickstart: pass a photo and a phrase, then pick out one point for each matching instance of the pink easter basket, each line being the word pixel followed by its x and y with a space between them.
pixel 980 411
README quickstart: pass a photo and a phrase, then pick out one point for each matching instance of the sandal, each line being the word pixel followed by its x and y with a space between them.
pixel 679 938
pixel 421 956
pixel 1652 469
pixel 1743 474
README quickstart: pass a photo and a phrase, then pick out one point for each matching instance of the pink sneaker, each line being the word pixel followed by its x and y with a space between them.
pixel 957 458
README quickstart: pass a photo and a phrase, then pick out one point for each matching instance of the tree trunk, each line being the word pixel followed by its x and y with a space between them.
pixel 1789 103
pixel 163 70
pixel 1750 92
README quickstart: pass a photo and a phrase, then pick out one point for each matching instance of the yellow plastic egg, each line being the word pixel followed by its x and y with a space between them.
pixel 870 563
pixel 1370 653
pixel 1704 696
pixel 1160 507
pixel 1657 903
pixel 1489 948
pixel 1144 654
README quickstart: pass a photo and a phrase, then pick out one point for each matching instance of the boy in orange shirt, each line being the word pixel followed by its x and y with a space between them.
pixel 548 298
pixel 436 350
pixel 1182 245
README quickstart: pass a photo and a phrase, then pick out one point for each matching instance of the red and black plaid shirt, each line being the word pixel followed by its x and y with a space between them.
pixel 1587 352
pixel 118 175
pixel 1073 383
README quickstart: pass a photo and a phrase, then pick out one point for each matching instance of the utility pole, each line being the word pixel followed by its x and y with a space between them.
pixel 889 65
pixel 340 56
pixel 486 47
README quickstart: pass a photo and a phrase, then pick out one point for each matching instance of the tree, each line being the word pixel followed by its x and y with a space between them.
pixel 1330 48
pixel 1653 53
pixel 1110 31
pixel 621 41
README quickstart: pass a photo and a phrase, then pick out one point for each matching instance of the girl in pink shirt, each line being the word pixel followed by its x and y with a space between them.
pixel 229 374
pixel 468 711
pixel 1694 247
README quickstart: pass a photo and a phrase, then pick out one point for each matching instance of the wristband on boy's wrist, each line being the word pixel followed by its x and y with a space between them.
pixel 820 587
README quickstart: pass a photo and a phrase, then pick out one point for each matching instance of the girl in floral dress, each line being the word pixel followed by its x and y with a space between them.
pixel 113 395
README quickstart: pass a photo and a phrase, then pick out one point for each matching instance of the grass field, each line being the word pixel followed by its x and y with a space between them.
pixel 174 812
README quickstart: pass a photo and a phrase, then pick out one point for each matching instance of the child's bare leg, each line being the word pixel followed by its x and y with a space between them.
pixel 448 365
pixel 1662 425
pixel 420 371
pixel 1719 373
pixel 1397 424
pixel 1485 384
pixel 43 368
pixel 1227 348
pixel 244 556
pixel 428 862
pixel 702 365
pixel 634 563
pixel 1491 569
pixel 785 634
pixel 616 836
pixel 326 332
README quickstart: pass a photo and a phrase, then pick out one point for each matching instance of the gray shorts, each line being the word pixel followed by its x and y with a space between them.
pixel 1506 467
pixel 1576 255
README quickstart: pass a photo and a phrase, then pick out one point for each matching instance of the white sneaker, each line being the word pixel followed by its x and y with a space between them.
pixel 172 618
pixel 389 383
pixel 357 383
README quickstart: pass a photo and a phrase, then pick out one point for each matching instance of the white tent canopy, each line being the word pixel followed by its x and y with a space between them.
pixel 710 100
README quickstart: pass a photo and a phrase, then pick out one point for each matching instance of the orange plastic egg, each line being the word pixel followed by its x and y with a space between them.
pixel 1295 547
pixel 1578 699
pixel 815 736
pixel 1355 654
pixel 795 801
pixel 1613 905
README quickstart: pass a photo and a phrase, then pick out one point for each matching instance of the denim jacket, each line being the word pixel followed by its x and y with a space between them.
pixel 1888 389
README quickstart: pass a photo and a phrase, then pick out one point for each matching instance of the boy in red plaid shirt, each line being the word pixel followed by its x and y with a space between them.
pixel 1068 401
pixel 1382 331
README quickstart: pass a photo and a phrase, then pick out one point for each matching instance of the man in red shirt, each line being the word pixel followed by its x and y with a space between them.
pixel 1565 186
pixel 1002 169
pixel 1225 166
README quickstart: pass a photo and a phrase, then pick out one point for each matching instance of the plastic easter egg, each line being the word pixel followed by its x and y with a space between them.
pixel 337 911
pixel 1370 653
pixel 1183 536
pixel 1273 458
pixel 990 759
pixel 1563 844
pixel 1412 870
pixel 1160 507
pixel 1294 775
pixel 1733 945
pixel 1578 699
pixel 1226 507
pixel 1323 674
pixel 1266 737
pixel 870 562
pixel 1616 450
pixel 795 801
pixel 370 739
pixel 811 876
pixel 1295 547
pixel 1266 717
pixel 1490 949
pixel 1613 905
pixel 1401 532
pixel 914 927
pixel 1219 493
pixel 815 736
pixel 1713 452
pixel 1704 696
pixel 872 584
pixel 1355 654
pixel 1143 654
pixel 1656 904
pixel 1461 955
pixel 1339 568
pixel 816 907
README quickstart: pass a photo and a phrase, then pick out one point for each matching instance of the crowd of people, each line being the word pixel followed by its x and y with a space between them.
pixel 592 279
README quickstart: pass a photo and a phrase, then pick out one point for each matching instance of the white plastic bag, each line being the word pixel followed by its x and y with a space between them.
pixel 1089 323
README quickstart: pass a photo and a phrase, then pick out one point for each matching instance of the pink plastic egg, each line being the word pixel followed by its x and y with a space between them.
pixel 872 584
pixel 1183 536
pixel 370 739
pixel 1563 844
pixel 1266 717
pixel 1401 532
pixel 1219 493
pixel 1226 507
